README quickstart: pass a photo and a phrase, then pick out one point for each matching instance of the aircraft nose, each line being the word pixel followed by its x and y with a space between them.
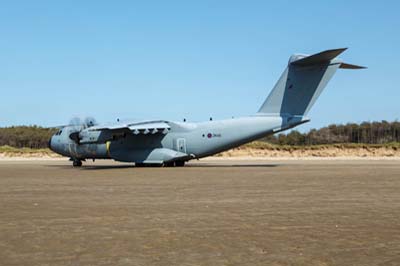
pixel 49 144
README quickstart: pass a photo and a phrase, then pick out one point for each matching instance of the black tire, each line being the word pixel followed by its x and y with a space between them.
pixel 77 163
pixel 180 163
pixel 169 164
pixel 140 165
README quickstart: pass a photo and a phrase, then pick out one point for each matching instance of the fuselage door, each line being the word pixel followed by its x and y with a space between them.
pixel 181 145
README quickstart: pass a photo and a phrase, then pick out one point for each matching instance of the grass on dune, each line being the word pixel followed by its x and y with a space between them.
pixel 13 150
pixel 260 145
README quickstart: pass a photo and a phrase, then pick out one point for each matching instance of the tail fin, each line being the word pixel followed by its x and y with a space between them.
pixel 302 82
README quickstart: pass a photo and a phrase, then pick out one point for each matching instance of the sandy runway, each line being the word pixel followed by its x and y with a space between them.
pixel 223 212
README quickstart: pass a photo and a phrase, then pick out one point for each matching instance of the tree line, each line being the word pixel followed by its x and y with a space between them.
pixel 365 133
pixel 34 137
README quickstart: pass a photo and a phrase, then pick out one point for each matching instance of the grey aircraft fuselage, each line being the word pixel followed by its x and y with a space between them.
pixel 173 143
pixel 193 140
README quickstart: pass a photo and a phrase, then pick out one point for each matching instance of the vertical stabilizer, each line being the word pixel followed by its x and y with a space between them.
pixel 302 82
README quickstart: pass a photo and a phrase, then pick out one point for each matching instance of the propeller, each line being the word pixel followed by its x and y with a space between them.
pixel 78 124
pixel 83 122
pixel 90 121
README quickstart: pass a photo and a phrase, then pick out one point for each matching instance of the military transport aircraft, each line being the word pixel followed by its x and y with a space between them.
pixel 168 143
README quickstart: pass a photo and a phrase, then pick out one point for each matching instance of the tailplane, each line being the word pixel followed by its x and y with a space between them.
pixel 302 82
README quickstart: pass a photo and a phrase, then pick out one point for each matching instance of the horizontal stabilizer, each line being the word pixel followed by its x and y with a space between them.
pixel 350 66
pixel 319 58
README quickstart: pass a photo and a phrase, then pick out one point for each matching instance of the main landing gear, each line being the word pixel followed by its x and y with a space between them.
pixel 78 163
pixel 168 164
pixel 176 163
pixel 180 163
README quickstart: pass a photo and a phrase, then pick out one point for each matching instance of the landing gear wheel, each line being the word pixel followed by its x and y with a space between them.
pixel 169 164
pixel 180 163
pixel 77 163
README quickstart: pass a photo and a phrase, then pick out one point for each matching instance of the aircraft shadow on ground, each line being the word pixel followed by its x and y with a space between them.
pixel 230 165
pixel 111 167
pixel 105 167
pixel 92 167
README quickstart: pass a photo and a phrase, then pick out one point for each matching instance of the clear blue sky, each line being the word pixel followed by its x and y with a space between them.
pixel 176 59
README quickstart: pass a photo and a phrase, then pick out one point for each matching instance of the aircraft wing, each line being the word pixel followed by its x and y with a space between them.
pixel 139 127
pixel 104 133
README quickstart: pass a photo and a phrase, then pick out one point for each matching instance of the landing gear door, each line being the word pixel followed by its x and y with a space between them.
pixel 72 150
pixel 180 145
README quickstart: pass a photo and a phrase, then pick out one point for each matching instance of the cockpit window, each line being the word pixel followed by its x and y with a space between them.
pixel 59 132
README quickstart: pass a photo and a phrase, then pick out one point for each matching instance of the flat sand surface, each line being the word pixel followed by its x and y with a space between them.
pixel 222 212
